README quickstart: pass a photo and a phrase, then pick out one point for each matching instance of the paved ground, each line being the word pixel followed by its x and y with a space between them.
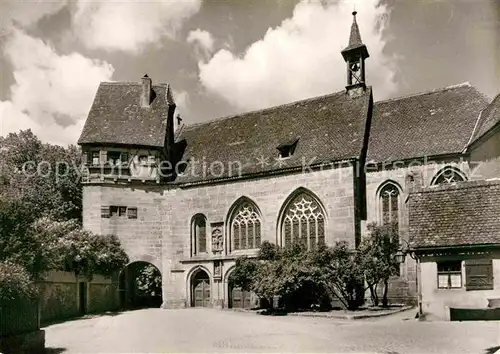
pixel 205 330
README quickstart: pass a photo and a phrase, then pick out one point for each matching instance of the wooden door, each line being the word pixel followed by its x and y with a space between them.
pixel 201 293
pixel 240 299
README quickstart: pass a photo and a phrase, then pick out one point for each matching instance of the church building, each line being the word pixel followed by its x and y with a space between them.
pixel 190 199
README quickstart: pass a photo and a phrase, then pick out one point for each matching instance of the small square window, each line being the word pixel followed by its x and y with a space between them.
pixel 449 274
pixel 132 213
pixel 113 210
pixel 114 157
pixel 122 211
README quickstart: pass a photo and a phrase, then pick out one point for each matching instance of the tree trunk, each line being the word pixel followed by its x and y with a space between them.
pixel 373 294
pixel 385 302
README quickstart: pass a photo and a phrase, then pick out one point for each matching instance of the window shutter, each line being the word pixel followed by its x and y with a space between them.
pixel 124 158
pixel 479 274
pixel 85 158
pixel 105 212
pixel 103 156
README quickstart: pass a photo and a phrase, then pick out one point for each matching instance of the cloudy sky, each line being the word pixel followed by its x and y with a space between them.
pixel 229 56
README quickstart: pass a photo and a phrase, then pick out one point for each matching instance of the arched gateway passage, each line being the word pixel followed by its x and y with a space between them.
pixel 200 289
pixel 140 286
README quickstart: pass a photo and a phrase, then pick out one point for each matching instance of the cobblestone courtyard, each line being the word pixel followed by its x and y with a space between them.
pixel 205 330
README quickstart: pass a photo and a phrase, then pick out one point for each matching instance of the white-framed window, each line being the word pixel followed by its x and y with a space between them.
pixel 449 274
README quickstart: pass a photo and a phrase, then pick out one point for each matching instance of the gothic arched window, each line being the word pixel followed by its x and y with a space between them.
pixel 245 226
pixel 303 221
pixel 389 204
pixel 199 234
pixel 448 175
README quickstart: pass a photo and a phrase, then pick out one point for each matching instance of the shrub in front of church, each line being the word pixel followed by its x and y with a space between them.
pixel 301 278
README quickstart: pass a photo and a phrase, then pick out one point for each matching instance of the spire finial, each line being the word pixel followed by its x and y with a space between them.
pixel 354 13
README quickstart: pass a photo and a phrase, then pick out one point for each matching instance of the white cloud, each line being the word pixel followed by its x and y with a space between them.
pixel 52 93
pixel 127 25
pixel 301 58
pixel 202 40
pixel 26 13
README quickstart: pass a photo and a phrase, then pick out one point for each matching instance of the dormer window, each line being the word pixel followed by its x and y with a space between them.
pixel 287 149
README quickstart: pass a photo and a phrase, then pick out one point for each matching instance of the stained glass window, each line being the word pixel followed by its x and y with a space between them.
pixel 246 227
pixel 303 222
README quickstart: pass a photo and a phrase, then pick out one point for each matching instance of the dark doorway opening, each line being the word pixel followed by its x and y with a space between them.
pixel 140 286
pixel 82 296
pixel 200 289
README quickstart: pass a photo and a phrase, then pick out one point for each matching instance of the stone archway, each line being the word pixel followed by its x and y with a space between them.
pixel 200 289
pixel 140 286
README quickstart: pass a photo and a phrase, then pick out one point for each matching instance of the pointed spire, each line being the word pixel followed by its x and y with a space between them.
pixel 355 42
pixel 355 37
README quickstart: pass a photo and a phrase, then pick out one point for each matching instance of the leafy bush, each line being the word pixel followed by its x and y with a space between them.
pixel 15 283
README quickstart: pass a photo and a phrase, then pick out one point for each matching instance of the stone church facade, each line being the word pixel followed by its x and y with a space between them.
pixel 190 199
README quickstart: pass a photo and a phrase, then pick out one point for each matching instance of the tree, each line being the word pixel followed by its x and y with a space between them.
pixel 45 177
pixel 345 275
pixel 377 257
pixel 244 273
pixel 85 253
pixel 149 281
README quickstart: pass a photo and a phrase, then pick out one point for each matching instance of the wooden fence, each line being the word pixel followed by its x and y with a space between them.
pixel 17 317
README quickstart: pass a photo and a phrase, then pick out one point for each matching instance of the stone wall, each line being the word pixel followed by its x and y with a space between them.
pixel 60 296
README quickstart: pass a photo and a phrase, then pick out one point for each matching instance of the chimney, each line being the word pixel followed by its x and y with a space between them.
pixel 146 91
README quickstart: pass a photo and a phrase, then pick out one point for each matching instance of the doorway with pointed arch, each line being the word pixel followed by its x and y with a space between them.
pixel 200 289
pixel 237 297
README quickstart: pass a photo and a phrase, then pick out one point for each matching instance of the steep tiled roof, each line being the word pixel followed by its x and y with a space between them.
pixel 328 128
pixel 466 213
pixel 116 116
pixel 490 117
pixel 427 124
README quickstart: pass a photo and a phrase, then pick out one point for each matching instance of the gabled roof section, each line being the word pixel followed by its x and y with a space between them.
pixel 489 118
pixel 331 128
pixel 116 116
pixel 427 124
pixel 462 214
